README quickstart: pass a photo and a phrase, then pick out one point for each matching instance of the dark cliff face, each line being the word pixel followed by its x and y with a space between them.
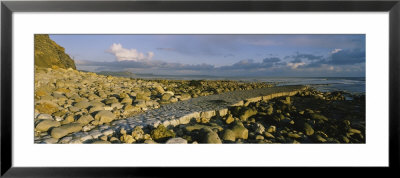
pixel 49 54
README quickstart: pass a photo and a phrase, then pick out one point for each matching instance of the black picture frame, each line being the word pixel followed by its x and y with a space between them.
pixel 8 7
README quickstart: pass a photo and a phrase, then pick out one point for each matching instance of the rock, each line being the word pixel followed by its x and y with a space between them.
pixel 82 104
pixel 68 119
pixel 207 114
pixel 108 132
pixel 259 128
pixel 137 133
pixel 111 100
pixel 320 139
pixel 319 117
pixel 229 135
pixel 73 109
pixel 354 131
pixel 177 140
pixel 185 97
pixel 229 119
pixel 247 113
pixel 96 108
pixel 209 136
pixel 345 139
pixel 293 135
pixel 127 139
pixel 240 131
pixel 191 128
pixel 271 129
pixel 65 130
pixel 268 135
pixel 308 129
pixel 116 105
pixel 101 142
pixel 127 101
pixel 150 142
pixel 160 89
pixel 104 117
pixel 143 96
pixel 86 138
pixel 45 125
pixel 47 107
pixel 222 112
pixel 270 109
pixel 88 128
pixel 65 140
pixel 50 141
pixel 259 137
pixel 161 133
pixel 85 119
pixel 44 117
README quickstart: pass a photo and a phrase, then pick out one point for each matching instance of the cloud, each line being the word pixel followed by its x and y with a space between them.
pixel 123 54
pixel 336 51
pixel 346 57
pixel 295 65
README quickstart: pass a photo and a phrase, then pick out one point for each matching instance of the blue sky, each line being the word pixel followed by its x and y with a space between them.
pixel 220 55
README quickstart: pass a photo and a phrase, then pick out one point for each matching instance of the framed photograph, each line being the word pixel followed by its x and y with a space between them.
pixel 104 88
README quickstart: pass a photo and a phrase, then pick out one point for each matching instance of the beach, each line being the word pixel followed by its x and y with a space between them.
pixel 74 106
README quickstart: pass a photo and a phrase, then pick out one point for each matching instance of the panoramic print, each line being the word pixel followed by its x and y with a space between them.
pixel 199 89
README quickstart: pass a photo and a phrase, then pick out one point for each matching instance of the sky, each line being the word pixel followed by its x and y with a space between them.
pixel 329 55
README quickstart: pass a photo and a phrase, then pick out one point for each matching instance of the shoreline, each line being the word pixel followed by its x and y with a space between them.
pixel 77 108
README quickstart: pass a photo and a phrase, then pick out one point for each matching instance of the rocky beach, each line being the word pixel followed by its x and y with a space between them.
pixel 72 106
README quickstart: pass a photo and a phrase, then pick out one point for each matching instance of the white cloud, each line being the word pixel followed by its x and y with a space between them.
pixel 295 65
pixel 123 54
pixel 335 51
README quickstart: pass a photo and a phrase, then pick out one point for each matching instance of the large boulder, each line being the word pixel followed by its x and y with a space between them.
pixel 49 54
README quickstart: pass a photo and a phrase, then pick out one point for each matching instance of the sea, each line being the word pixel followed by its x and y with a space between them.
pixel 353 85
